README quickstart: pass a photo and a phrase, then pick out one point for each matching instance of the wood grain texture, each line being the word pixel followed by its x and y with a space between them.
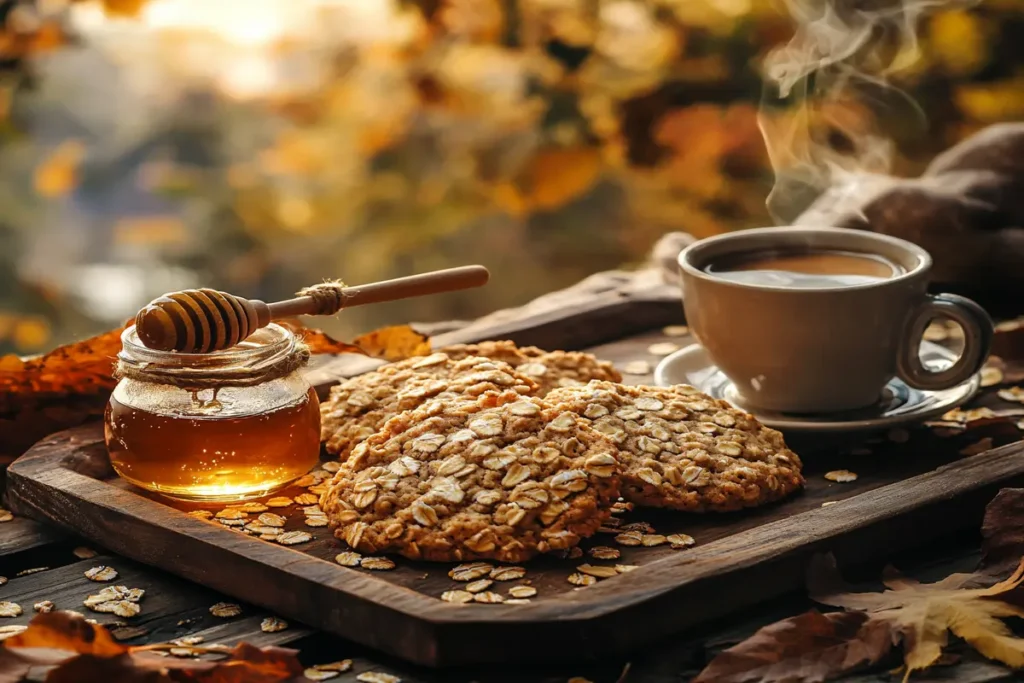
pixel 740 560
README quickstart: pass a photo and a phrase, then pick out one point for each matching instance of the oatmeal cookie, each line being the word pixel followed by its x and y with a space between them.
pixel 497 477
pixel 359 406
pixel 681 449
pixel 550 369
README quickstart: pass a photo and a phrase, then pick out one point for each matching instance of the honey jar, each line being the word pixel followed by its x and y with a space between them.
pixel 227 425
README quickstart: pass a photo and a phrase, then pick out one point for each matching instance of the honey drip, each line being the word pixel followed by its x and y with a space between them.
pixel 211 457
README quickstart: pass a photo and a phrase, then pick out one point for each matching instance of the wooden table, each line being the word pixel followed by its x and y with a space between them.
pixel 174 608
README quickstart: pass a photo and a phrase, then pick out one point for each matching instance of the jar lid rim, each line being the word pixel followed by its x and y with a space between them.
pixel 265 345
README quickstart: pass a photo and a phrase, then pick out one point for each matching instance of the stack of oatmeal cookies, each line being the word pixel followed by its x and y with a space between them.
pixel 491 451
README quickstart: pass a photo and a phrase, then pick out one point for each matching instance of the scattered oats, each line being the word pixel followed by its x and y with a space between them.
pixel 675 331
pixel 251 507
pixel 43 607
pixel 507 573
pixel 318 490
pixel 642 527
pixel 1014 394
pixel 231 513
pixel 271 519
pixel 101 573
pixel 597 571
pixel 122 608
pixel 578 579
pixel 488 598
pixel 183 652
pixel 470 571
pixel 978 447
pixel 521 592
pixel 377 563
pixel 225 610
pixel 622 506
pixel 311 510
pixel 340 666
pixel 991 376
pixel 460 597
pixel 5 515
pixel 377 677
pixel 331 467
pixel 636 367
pixel 294 537
pixel 306 480
pixel 680 541
pixel 626 568
pixel 33 570
pixel 233 522
pixel 198 514
pixel 629 538
pixel 662 348
pixel 603 552
pixel 348 559
pixel 479 585
pixel 651 540
pixel 829 502
pixel 263 530
pixel 319 675
pixel 273 625
pixel 841 476
pixel 280 502
pixel 575 553
pixel 112 594
pixel 11 630
pixel 83 553
pixel 188 641
pixel 898 435
pixel 316 520
pixel 307 499
pixel 516 601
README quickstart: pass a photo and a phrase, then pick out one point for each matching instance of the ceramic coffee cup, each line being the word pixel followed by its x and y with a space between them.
pixel 827 349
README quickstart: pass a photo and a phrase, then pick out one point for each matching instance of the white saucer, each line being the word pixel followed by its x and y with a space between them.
pixel 899 404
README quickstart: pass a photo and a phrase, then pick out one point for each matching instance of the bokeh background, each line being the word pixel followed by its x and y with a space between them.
pixel 257 146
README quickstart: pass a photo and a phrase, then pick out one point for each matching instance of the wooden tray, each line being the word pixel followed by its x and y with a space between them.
pixel 908 492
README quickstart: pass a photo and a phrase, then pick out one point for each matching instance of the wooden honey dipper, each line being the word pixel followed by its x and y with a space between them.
pixel 205 320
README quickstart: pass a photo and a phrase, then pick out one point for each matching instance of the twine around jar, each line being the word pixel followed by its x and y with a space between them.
pixel 198 378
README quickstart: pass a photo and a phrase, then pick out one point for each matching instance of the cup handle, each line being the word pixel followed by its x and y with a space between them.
pixel 977 327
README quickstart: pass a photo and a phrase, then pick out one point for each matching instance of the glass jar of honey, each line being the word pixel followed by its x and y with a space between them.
pixel 227 425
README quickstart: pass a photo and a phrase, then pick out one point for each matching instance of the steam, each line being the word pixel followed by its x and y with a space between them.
pixel 828 102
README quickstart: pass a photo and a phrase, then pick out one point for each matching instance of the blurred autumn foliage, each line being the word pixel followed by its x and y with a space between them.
pixel 260 146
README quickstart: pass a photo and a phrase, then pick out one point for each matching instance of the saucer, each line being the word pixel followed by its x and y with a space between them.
pixel 899 404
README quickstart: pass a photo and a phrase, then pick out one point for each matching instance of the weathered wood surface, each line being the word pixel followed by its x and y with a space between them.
pixel 740 560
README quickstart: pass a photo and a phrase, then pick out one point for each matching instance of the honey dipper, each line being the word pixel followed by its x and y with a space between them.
pixel 205 320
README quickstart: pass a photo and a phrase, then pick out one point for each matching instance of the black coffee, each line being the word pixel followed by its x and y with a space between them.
pixel 804 269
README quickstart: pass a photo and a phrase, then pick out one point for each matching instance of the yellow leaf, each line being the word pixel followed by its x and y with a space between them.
pixel 556 176
pixel 992 102
pixel 162 230
pixel 960 41
pixel 123 8
pixel 58 174
pixel 31 334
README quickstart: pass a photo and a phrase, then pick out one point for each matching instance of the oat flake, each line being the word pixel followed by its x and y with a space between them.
pixel 43 607
pixel 458 597
pixel 273 625
pixel 294 537
pixel 319 675
pixel 603 552
pixel 478 586
pixel 637 368
pixel 841 476
pixel 5 515
pixel 507 573
pixel 377 563
pixel 377 677
pixel 225 610
pixel 662 348
pixel 488 598
pixel 280 502
pixel 340 666
pixel 306 499
pixel 599 572
pixel 578 579
pixel 101 573
pixel 348 559
pixel 521 592
pixel 471 571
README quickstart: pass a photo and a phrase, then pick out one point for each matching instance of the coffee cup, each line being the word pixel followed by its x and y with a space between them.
pixel 819 320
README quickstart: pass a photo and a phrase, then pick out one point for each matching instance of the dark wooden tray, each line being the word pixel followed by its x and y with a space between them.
pixel 908 492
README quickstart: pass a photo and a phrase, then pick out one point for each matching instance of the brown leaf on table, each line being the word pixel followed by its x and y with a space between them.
pixel 66 631
pixel 318 341
pixel 394 343
pixel 923 615
pixel 811 647
pixel 75 650
pixel 1002 533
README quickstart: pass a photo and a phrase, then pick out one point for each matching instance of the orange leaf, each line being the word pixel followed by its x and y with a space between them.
pixel 66 631
pixel 58 174
pixel 557 176
pixel 123 8
pixel 394 343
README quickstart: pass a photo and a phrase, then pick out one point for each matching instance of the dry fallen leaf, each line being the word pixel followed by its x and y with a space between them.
pixel 923 615
pixel 394 343
pixel 810 647
pixel 1002 532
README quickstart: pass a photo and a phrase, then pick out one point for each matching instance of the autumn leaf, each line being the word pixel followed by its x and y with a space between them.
pixel 1002 533
pixel 57 175
pixel 394 343
pixel 554 177
pixel 123 8
pixel 811 647
pixel 923 615
pixel 74 650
